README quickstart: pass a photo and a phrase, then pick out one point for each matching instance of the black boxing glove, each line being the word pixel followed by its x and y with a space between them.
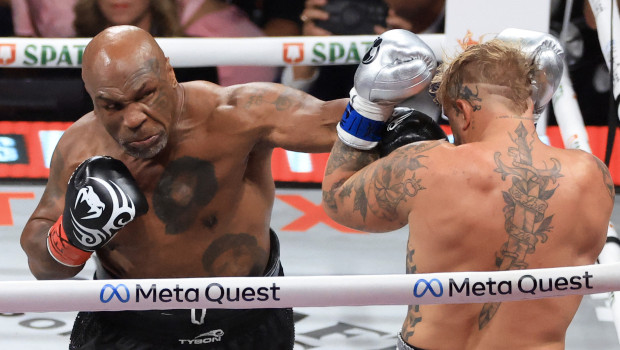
pixel 407 126
pixel 102 197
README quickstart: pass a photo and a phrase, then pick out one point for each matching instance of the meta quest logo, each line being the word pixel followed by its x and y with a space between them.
pixel 526 284
pixel 214 292
pixel 220 294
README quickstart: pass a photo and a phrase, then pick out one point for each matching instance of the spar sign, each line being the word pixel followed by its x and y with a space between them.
pixel 50 53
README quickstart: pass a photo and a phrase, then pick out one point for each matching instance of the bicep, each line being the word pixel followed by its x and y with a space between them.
pixel 290 118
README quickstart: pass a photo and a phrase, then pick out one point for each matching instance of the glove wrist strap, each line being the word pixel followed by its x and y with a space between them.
pixel 61 250
pixel 357 131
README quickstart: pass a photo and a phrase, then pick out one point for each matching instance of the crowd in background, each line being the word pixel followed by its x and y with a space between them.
pixel 250 18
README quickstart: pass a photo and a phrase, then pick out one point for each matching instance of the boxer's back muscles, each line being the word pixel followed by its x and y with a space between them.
pixel 520 205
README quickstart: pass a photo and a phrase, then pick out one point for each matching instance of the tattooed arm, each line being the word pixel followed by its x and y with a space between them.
pixel 289 118
pixel 371 194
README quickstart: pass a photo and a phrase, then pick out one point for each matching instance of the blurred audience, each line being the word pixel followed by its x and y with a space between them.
pixel 43 18
pixel 274 17
pixel 216 18
pixel 6 22
pixel 159 17
pixel 331 82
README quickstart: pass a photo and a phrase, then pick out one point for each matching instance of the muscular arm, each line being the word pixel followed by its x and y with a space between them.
pixel 288 118
pixel 371 194
pixel 34 236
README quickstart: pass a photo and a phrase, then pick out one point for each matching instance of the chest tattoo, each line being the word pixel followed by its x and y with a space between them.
pixel 186 186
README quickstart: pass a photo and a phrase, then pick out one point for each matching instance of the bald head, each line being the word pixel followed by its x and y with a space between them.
pixel 121 50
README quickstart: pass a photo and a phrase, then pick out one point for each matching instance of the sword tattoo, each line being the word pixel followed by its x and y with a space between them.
pixel 524 213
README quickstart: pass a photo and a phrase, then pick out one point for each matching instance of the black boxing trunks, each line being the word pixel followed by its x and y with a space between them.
pixel 401 345
pixel 269 329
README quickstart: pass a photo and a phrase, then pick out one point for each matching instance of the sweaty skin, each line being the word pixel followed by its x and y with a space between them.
pixel 200 153
pixel 498 200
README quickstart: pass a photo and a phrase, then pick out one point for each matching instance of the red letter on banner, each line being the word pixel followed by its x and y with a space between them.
pixel 313 214
pixel 6 216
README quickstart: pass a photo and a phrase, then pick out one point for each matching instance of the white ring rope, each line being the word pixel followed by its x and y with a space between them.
pixel 200 52
pixel 306 291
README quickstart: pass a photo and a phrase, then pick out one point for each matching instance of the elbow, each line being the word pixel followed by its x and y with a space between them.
pixel 329 205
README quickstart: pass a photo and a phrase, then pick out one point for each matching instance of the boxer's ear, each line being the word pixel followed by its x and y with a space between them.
pixel 170 73
pixel 464 111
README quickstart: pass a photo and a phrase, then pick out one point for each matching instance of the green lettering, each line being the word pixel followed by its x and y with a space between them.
pixel 353 55
pixel 31 57
pixel 80 49
pixel 336 51
pixel 367 45
pixel 317 51
pixel 65 56
pixel 47 54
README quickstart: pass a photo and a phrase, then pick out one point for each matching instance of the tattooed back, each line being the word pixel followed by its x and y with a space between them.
pixel 486 206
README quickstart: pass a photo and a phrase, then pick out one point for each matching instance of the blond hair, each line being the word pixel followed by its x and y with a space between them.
pixel 495 63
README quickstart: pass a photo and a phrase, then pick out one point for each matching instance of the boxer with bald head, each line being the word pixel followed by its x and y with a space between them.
pixel 172 180
pixel 496 199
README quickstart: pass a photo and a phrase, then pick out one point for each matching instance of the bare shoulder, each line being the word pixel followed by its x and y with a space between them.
pixel 261 98
pixel 250 98
pixel 82 139
pixel 595 172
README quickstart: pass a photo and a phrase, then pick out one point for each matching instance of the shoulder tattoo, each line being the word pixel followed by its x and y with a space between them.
pixel 607 180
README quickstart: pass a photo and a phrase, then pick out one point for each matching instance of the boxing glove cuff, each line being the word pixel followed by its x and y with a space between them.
pixel 61 250
pixel 362 122
pixel 357 131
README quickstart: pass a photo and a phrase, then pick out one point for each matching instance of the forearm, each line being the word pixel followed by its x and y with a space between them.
pixel 310 128
pixel 346 175
pixel 40 262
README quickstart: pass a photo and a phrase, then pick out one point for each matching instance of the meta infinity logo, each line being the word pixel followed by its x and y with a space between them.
pixel 114 291
pixel 427 287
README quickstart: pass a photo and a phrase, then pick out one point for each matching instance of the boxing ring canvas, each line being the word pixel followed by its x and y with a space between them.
pixel 303 230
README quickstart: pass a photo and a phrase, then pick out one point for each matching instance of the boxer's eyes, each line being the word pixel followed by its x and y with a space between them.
pixel 113 106
pixel 147 95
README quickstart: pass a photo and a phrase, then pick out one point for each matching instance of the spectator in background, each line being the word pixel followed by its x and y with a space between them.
pixel 159 17
pixel 43 18
pixel 216 18
pixel 330 82
pixel 274 17
pixel 6 22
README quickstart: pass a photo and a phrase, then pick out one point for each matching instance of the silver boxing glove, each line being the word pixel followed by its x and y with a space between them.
pixel 548 56
pixel 397 66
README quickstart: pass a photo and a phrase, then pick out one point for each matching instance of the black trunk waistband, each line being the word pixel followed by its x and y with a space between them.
pixel 187 322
